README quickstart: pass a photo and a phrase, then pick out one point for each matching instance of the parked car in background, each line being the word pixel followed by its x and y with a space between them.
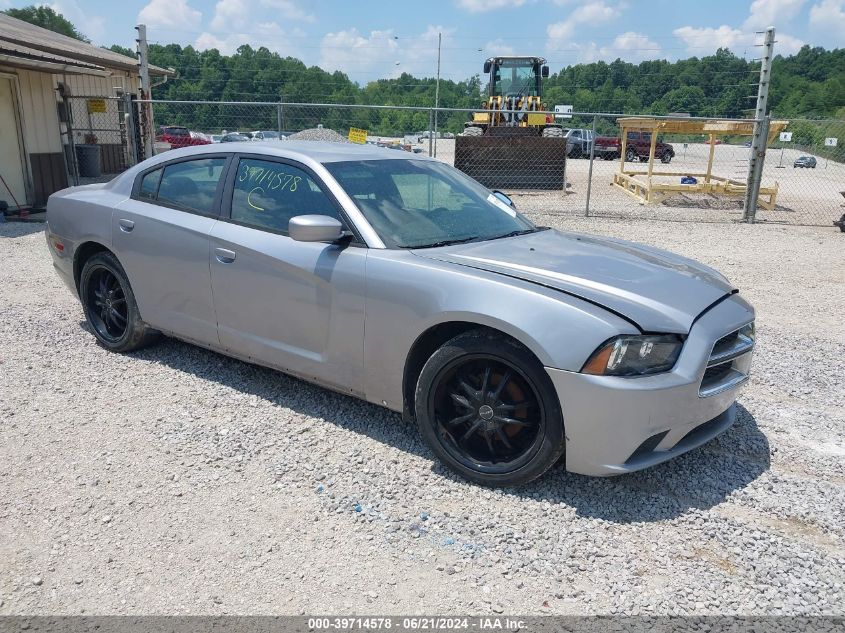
pixel 578 141
pixel 805 161
pixel 215 138
pixel 399 280
pixel 265 135
pixel 177 136
pixel 637 147
pixel 235 137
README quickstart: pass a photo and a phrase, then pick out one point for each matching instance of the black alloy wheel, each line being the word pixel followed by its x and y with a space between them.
pixel 106 302
pixel 486 407
pixel 488 414
pixel 110 307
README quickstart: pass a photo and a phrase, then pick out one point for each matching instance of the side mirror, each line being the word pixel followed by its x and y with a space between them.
pixel 315 228
pixel 487 66
pixel 545 71
pixel 504 198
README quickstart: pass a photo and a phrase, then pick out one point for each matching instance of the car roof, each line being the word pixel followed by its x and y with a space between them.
pixel 302 151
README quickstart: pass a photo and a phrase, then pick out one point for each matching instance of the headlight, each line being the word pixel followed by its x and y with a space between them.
pixel 635 355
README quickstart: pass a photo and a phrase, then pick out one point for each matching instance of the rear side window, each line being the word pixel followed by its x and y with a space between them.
pixel 190 185
pixel 149 185
pixel 267 195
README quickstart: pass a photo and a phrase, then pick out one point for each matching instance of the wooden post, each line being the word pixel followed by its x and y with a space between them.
pixel 623 139
pixel 651 148
pixel 710 159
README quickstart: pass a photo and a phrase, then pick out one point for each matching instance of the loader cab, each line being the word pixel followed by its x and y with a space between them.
pixel 512 76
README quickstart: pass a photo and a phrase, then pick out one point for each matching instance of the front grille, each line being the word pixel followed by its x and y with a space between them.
pixel 713 374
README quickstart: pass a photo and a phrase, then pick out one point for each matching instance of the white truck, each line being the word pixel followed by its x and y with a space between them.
pixel 578 142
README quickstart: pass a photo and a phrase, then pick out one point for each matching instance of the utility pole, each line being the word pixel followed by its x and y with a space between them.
pixel 437 93
pixel 761 129
pixel 146 94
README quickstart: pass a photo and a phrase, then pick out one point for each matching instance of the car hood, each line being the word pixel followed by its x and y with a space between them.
pixel 657 290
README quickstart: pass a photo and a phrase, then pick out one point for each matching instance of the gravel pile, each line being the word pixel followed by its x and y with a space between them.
pixel 318 134
pixel 176 480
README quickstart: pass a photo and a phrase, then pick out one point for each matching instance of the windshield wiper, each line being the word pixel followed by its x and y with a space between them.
pixel 461 240
pixel 535 229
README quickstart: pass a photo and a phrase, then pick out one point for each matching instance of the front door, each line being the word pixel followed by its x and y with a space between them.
pixel 293 305
pixel 160 236
pixel 12 187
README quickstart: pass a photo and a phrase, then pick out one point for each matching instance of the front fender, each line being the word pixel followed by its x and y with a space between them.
pixel 408 295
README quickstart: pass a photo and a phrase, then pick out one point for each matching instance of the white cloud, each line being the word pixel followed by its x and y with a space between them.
pixel 828 16
pixel 479 6
pixel 786 44
pixel 630 46
pixel 94 26
pixel 777 13
pixel 593 13
pixel 352 52
pixel 708 39
pixel 170 13
pixel 498 47
pixel 242 14
pixel 267 34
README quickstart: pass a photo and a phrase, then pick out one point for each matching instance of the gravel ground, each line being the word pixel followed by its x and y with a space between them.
pixel 318 134
pixel 175 480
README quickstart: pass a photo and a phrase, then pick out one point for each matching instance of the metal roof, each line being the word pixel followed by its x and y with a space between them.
pixel 29 36
pixel 26 57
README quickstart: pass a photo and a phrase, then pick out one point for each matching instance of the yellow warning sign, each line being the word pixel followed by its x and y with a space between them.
pixel 96 105
pixel 357 135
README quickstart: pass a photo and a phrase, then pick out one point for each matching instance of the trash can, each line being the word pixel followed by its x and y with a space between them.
pixel 88 159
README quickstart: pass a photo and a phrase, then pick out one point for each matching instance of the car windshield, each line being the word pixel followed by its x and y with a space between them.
pixel 424 203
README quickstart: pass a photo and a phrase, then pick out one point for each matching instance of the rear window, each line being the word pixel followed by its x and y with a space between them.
pixel 177 131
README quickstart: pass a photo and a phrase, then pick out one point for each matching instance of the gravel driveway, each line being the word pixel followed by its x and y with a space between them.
pixel 176 480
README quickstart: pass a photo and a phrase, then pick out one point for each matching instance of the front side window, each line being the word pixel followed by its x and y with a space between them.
pixel 190 185
pixel 417 203
pixel 268 194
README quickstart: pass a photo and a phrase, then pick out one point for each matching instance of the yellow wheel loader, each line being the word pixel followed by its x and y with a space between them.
pixel 512 143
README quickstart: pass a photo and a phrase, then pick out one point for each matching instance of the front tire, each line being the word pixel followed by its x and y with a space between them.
pixel 110 307
pixel 487 409
pixel 630 156
pixel 666 157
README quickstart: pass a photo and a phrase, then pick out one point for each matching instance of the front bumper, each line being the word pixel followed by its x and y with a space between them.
pixel 616 425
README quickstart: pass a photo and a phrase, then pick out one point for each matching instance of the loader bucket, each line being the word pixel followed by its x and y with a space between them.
pixel 512 161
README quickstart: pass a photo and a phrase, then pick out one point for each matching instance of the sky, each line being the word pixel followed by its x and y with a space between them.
pixel 370 40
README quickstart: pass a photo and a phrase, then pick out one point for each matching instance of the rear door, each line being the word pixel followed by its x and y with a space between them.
pixel 161 238
pixel 293 305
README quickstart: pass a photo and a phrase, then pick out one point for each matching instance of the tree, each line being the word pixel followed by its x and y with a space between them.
pixel 46 18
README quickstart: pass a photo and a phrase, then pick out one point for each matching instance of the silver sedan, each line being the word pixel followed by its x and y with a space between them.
pixel 397 279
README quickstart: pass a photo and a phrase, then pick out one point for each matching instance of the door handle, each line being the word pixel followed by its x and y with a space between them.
pixel 126 225
pixel 224 255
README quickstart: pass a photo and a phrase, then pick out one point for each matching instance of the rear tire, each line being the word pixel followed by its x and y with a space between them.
pixel 487 409
pixel 473 131
pixel 110 307
pixel 630 155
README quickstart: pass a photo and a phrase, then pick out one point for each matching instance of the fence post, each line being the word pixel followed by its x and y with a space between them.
pixel 755 175
pixel 430 133
pixel 761 129
pixel 590 174
pixel 131 129
pixel 279 119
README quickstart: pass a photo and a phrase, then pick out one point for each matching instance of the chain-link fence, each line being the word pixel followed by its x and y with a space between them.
pixel 694 176
pixel 96 144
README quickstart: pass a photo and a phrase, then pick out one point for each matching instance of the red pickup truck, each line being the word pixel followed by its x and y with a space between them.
pixel 637 147
pixel 178 136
